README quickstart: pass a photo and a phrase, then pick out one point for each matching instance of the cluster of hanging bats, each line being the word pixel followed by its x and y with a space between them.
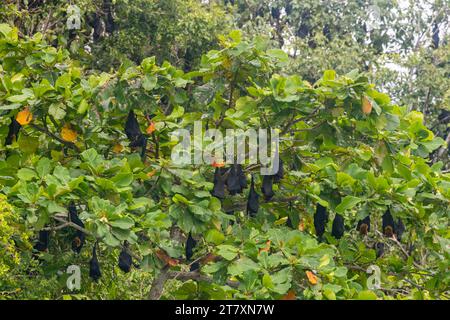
pixel 232 180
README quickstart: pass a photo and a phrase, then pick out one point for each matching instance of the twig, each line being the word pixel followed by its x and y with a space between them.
pixel 66 223
pixel 159 282
pixel 46 131
pixel 292 122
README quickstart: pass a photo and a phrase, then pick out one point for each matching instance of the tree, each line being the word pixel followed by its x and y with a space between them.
pixel 403 46
pixel 345 146
pixel 121 31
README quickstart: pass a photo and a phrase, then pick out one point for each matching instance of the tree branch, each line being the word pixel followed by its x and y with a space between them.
pixel 52 135
pixel 159 282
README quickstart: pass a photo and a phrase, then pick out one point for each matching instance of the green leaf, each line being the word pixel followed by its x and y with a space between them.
pixel 278 54
pixel 123 179
pixel 28 144
pixel 214 236
pixel 329 75
pixel 83 107
pixel 149 82
pixel 57 111
pixel 26 174
pixel 267 281
pixel 227 252
pixel 367 295
pixel 347 203
pixel 5 29
pixel 242 265
pixel 123 223
pixel 20 98
pixel 43 167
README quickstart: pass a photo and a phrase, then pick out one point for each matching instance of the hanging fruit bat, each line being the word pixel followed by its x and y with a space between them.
pixel 379 249
pixel 320 220
pixel 235 179
pixel 252 202
pixel 289 220
pixel 14 128
pixel 109 21
pixel 399 229
pixel 219 185
pixel 266 187
pixel 364 225
pixel 275 12
pixel 190 245
pixel 195 266
pixel 125 259
pixel 269 180
pixel 134 134
pixel 43 241
pixel 94 266
pixel 280 173
pixel 242 177
pixel 388 224
pixel 78 241
pixel 337 229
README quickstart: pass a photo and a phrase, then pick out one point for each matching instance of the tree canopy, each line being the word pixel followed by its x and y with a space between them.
pixel 71 183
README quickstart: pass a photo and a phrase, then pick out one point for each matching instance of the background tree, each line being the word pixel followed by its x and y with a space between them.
pixel 345 146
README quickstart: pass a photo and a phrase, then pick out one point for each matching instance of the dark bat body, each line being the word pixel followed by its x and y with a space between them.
pixel 195 266
pixel 399 229
pixel 280 173
pixel 388 224
pixel 267 187
pixel 43 241
pixel 14 128
pixel 94 266
pixel 242 177
pixel 253 200
pixel 379 249
pixel 125 259
pixel 190 245
pixel 364 225
pixel 320 220
pixel 78 241
pixel 134 134
pixel 219 184
pixel 337 229
pixel 236 179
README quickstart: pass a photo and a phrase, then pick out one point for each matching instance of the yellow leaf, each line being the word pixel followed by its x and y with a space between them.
pixel 151 128
pixel 151 173
pixel 311 277
pixel 24 117
pixel 266 248
pixel 68 134
pixel 289 296
pixel 226 63
pixel 301 225
pixel 325 260
pixel 366 105
pixel 218 164
pixel 117 148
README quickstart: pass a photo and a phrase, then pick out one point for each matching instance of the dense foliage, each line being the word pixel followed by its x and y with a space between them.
pixel 68 171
